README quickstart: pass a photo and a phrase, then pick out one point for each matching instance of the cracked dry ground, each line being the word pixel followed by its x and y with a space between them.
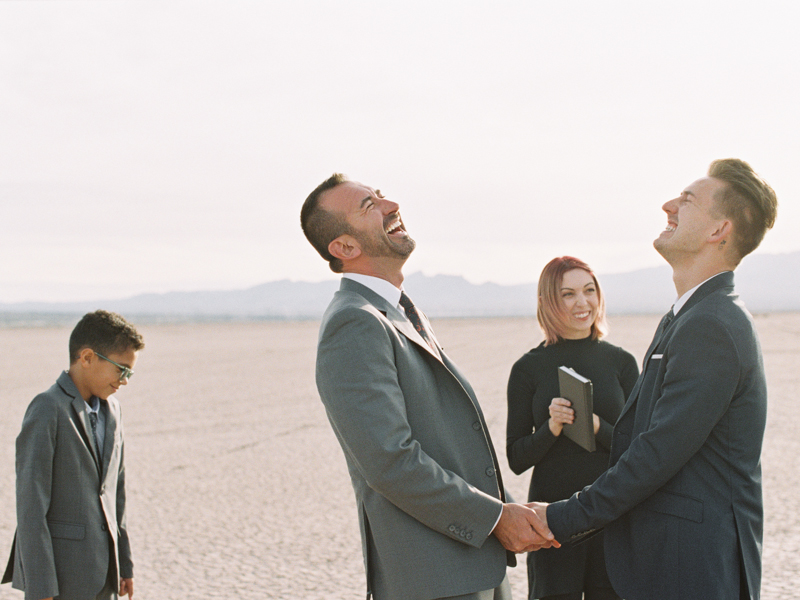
pixel 237 486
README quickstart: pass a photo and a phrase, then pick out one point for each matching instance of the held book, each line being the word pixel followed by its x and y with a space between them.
pixel 578 390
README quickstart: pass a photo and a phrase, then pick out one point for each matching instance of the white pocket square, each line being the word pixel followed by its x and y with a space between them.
pixel 656 356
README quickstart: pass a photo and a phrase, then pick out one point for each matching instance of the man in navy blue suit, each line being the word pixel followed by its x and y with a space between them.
pixel 681 503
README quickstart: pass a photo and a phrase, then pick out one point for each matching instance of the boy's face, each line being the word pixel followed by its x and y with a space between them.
pixel 102 377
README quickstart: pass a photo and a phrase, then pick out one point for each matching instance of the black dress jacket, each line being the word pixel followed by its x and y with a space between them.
pixel 681 503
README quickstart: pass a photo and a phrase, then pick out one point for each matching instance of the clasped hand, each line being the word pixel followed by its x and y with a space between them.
pixel 523 528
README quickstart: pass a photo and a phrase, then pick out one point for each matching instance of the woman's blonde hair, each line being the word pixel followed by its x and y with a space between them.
pixel 550 308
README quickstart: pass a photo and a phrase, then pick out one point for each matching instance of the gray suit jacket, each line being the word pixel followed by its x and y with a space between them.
pixel 70 502
pixel 423 467
pixel 681 502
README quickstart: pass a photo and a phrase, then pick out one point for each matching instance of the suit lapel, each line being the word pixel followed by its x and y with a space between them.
pixel 67 386
pixel 663 326
pixel 393 314
pixel 712 285
pixel 108 443
pixel 404 326
pixel 79 406
pixel 659 335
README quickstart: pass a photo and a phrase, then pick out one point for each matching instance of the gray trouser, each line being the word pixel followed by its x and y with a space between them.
pixel 501 592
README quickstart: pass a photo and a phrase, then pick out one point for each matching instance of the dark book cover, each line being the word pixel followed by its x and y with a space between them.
pixel 578 390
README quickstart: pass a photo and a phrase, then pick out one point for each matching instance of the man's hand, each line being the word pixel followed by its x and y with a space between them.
pixel 126 587
pixel 540 508
pixel 521 530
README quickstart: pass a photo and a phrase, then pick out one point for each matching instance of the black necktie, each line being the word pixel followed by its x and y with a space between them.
pixel 414 316
pixel 666 319
pixel 662 327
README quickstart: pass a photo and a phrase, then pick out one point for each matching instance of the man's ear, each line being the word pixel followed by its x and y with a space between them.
pixel 723 231
pixel 345 247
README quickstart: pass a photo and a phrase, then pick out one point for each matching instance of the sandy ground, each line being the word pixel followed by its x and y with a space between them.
pixel 237 487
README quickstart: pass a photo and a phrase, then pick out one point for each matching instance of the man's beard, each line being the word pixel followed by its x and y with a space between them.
pixel 384 247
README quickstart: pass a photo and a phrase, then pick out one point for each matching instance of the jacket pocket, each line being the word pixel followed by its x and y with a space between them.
pixel 67 531
pixel 677 505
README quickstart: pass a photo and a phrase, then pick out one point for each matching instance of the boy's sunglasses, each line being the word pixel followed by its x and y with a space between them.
pixel 124 372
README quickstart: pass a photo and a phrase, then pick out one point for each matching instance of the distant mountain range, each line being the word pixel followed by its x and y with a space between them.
pixel 766 283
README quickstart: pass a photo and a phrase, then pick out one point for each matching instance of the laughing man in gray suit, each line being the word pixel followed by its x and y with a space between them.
pixel 433 515
pixel 681 503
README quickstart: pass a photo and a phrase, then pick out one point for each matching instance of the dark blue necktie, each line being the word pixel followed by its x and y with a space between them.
pixel 93 421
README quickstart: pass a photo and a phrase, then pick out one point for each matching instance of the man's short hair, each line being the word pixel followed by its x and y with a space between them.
pixel 747 200
pixel 321 226
pixel 104 332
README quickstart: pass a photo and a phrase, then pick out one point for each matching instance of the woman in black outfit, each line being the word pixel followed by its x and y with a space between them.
pixel 571 313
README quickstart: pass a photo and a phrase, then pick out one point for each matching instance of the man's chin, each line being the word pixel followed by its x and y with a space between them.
pixel 400 251
pixel 406 248
pixel 670 254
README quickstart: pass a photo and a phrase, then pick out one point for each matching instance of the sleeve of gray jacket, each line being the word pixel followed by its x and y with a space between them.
pixel 34 463
pixel 123 543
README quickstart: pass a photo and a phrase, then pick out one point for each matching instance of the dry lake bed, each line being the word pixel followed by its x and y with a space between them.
pixel 238 488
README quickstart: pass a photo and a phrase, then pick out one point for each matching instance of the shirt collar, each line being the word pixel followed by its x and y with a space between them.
pixel 680 302
pixel 380 286
pixel 93 404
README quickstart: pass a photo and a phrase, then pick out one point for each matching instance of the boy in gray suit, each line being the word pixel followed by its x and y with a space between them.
pixel 72 539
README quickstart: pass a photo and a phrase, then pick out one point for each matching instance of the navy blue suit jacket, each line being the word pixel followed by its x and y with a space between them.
pixel 681 502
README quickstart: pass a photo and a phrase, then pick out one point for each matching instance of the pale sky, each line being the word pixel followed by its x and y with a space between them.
pixel 160 146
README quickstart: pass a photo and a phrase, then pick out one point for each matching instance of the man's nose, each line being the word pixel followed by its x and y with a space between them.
pixel 388 207
pixel 670 206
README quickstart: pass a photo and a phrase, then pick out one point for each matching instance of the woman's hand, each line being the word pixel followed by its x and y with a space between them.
pixel 560 413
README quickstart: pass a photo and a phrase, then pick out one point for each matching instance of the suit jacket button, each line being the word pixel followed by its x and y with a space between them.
pixel 103 527
pixel 489 472
pixel 476 425
pixel 452 528
pixel 469 536
pixel 102 489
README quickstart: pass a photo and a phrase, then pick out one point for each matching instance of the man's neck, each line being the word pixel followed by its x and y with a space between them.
pixel 390 273
pixel 685 277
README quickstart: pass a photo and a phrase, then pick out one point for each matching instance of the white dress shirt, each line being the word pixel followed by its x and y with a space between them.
pixel 680 302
